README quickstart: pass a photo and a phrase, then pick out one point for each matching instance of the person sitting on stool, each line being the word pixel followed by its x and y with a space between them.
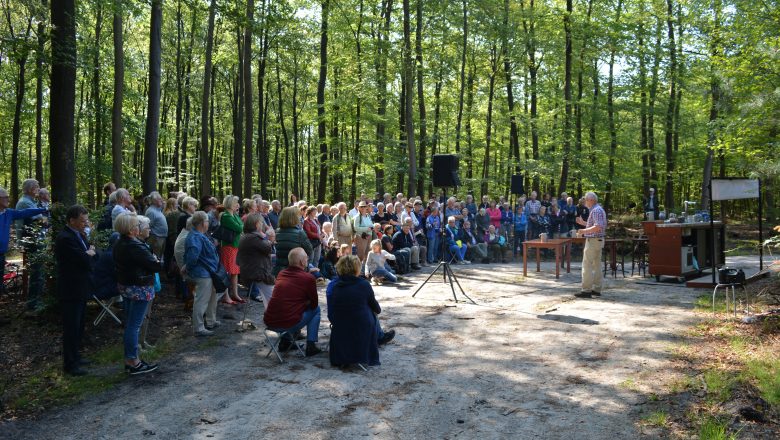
pixel 293 303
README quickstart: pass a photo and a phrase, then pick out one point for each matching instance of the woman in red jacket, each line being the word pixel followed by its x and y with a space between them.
pixel 312 228
pixel 495 215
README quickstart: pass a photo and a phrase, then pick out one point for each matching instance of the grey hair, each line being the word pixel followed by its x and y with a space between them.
pixel 590 195
pixel 188 226
pixel 28 184
pixel 3 191
pixel 198 218
pixel 144 220
pixel 125 223
pixel 154 195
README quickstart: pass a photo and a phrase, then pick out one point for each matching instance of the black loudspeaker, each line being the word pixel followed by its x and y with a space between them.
pixel 445 171
pixel 517 184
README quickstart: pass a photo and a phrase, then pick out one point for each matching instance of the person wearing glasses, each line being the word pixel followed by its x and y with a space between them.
pixel 135 269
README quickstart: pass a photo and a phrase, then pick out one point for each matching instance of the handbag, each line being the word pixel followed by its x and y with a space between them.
pixel 220 279
pixel 157 285
pixel 224 234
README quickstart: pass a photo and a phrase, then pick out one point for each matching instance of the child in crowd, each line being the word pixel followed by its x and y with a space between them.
pixel 375 264
pixel 328 269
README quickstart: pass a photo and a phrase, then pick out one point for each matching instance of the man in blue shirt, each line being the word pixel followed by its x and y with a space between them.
pixel 7 217
pixel 28 234
pixel 158 225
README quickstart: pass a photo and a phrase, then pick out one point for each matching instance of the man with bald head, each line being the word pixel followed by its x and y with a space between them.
pixel 293 303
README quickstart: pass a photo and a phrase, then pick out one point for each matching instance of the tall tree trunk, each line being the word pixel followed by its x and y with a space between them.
pixel 97 109
pixel 205 156
pixel 297 157
pixel 409 102
pixel 322 128
pixel 149 178
pixel 39 72
pixel 119 89
pixel 712 128
pixel 62 101
pixel 383 40
pixel 421 99
pixel 462 75
pixel 358 102
pixel 262 140
pixel 514 142
pixel 580 92
pixel 236 181
pixel 248 97
pixel 652 93
pixel 529 26
pixel 283 129
pixel 669 127
pixel 567 99
pixel 469 112
pixel 179 94
pixel 489 123
pixel 187 102
pixel 21 54
pixel 611 114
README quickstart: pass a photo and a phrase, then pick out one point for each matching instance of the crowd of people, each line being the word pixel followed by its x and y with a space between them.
pixel 279 252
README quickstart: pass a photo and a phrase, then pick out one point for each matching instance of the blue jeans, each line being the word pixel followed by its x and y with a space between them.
pixel 134 316
pixel 459 252
pixel 519 239
pixel 433 248
pixel 379 332
pixel 310 320
pixel 386 274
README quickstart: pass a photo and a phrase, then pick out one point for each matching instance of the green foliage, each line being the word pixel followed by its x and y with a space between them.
pixel 714 429
pixel 719 384
pixel 765 374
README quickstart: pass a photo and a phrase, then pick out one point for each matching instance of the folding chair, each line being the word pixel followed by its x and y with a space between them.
pixel 106 306
pixel 281 334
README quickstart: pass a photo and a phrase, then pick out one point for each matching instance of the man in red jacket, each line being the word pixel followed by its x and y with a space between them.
pixel 293 304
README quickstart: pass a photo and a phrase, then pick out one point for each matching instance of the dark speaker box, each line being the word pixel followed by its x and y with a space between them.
pixel 445 171
pixel 517 184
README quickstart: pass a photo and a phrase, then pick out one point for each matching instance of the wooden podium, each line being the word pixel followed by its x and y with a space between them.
pixel 682 250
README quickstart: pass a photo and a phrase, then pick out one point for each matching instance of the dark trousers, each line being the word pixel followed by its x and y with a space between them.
pixel 2 260
pixel 72 331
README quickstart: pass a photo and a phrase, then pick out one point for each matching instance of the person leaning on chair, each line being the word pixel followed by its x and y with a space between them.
pixel 293 303
pixel 594 231
pixel 76 259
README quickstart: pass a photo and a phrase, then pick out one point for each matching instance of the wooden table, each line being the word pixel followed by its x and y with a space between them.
pixel 557 244
pixel 611 245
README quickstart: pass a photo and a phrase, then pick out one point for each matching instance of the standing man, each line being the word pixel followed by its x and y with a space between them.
pixel 273 215
pixel 651 204
pixel 158 226
pixel 75 261
pixel 7 217
pixel 363 226
pixel 593 231
pixel 29 234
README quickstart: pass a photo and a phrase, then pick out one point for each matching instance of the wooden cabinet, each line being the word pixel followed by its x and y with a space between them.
pixel 682 249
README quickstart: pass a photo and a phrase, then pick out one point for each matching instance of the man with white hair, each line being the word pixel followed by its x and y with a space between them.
pixel 7 217
pixel 29 233
pixel 158 225
pixel 124 203
pixel 594 231
pixel 294 302
pixel 273 214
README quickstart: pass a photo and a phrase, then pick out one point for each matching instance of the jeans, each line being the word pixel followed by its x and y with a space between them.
pixel 379 332
pixel 314 260
pixel 134 315
pixel 311 320
pixel 260 290
pixel 458 252
pixel 35 286
pixel 384 274
pixel 433 248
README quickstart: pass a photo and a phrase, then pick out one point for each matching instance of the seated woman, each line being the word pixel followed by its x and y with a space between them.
pixel 328 269
pixel 477 248
pixel 382 217
pixel 496 244
pixel 352 308
pixel 375 264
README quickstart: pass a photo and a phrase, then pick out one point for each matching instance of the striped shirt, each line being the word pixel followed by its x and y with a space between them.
pixel 597 216
pixel 532 206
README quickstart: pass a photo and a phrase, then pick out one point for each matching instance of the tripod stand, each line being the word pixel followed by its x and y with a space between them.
pixel 449 276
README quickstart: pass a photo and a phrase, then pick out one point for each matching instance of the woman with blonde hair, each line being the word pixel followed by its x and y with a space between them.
pixel 229 249
pixel 290 236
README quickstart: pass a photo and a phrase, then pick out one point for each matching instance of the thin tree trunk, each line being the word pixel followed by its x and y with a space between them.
pixel 489 123
pixel 62 100
pixel 21 54
pixel 469 112
pixel 712 128
pixel 383 39
pixel 462 75
pixel 533 67
pixel 567 99
pixel 187 102
pixel 358 102
pixel 651 103
pixel 297 159
pixel 421 100
pixel 580 92
pixel 149 178
pixel 669 128
pixel 409 103
pixel 236 181
pixel 611 114
pixel 248 97
pixel 514 142
pixel 39 72
pixel 262 140
pixel 179 94
pixel 322 128
pixel 97 109
pixel 205 151
pixel 119 90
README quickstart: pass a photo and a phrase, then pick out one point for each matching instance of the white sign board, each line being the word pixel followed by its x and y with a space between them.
pixel 732 189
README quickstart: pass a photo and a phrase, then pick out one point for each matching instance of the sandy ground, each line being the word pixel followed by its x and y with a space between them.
pixel 527 361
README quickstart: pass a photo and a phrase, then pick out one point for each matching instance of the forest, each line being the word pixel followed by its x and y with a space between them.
pixel 329 99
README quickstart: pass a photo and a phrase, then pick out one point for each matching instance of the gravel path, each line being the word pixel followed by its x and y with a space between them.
pixel 527 361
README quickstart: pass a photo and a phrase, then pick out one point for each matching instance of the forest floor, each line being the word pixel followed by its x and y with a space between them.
pixel 527 361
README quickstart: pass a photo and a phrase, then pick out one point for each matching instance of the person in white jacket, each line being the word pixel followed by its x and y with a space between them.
pixel 375 264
